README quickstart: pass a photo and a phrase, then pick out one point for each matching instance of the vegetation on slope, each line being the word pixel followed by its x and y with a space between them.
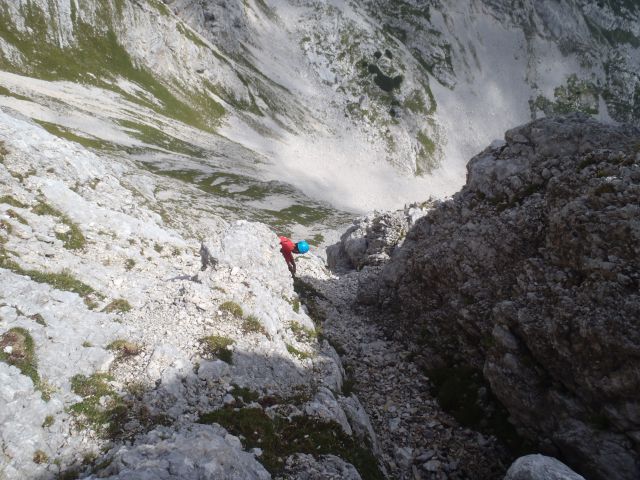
pixel 97 58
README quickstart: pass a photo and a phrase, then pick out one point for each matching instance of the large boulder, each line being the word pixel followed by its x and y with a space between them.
pixel 198 452
pixel 539 467
pixel 532 274
pixel 371 239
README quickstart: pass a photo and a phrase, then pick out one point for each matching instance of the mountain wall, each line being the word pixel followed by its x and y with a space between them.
pixel 316 94
pixel 531 274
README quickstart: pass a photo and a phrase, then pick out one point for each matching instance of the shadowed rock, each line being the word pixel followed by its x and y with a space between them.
pixel 532 274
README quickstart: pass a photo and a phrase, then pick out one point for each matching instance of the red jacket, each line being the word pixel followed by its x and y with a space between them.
pixel 287 249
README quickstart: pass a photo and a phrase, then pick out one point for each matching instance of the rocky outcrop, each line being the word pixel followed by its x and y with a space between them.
pixel 325 467
pixel 539 467
pixel 200 451
pixel 371 239
pixel 532 273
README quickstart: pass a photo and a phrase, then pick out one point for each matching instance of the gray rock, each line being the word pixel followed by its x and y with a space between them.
pixel 359 421
pixel 535 280
pixel 213 370
pixel 428 455
pixel 372 239
pixel 195 452
pixel 325 467
pixel 403 457
pixel 539 467
pixel 325 407
pixel 432 466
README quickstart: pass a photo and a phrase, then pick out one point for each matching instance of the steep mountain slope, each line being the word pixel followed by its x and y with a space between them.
pixel 170 120
pixel 115 337
pixel 319 95
pixel 530 273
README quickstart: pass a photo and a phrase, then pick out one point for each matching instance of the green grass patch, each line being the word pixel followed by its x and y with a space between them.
pixel 155 136
pixel 105 420
pixel 302 333
pixel 252 324
pixel 247 395
pixel 298 353
pixel 124 348
pixel 72 239
pixel 40 457
pixel 39 319
pixel 217 346
pixel 6 226
pixel 61 281
pixel 303 214
pixel 68 134
pixel 281 437
pixel 232 308
pixel 23 357
pixel 8 93
pixel 45 209
pixel 129 264
pixel 23 353
pixel 425 159
pixel 575 95
pixel 238 104
pixel 295 304
pixel 9 200
pixel 48 421
pixel 415 103
pixel 16 216
pixel 310 297
pixel 242 189
pixel 119 305
pixel 316 240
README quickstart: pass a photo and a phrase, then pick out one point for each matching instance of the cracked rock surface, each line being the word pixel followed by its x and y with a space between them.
pixel 532 274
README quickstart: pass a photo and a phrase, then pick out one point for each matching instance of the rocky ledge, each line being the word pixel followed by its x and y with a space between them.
pixel 531 274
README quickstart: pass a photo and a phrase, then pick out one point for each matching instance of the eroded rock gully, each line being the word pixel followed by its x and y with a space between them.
pixel 415 438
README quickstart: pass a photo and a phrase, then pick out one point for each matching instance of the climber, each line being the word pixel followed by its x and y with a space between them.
pixel 288 248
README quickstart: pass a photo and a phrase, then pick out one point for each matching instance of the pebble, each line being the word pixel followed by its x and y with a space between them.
pixel 423 457
pixel 432 466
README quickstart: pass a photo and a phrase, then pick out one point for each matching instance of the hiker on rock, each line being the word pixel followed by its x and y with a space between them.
pixel 288 248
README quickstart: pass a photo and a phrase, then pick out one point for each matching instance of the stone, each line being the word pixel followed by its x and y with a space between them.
pixel 196 451
pixel 371 240
pixel 325 406
pixel 325 467
pixel 540 467
pixel 214 370
pixel 432 466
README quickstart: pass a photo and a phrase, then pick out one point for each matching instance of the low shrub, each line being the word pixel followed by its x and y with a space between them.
pixel 217 346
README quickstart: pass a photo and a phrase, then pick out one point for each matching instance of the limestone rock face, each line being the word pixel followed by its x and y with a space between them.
pixel 326 467
pixel 197 452
pixel 372 238
pixel 539 467
pixel 532 273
